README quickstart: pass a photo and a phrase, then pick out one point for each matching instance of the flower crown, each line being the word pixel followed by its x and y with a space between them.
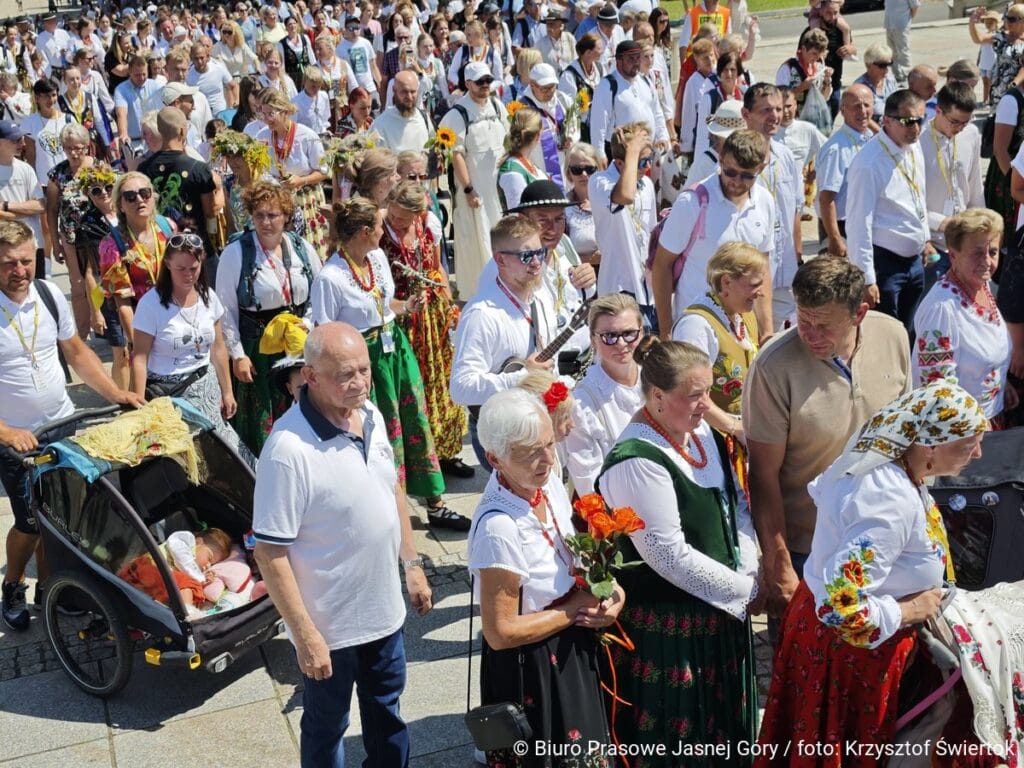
pixel 556 394
pixel 98 174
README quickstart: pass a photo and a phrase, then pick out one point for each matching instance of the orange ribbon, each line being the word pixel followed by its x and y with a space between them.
pixel 622 639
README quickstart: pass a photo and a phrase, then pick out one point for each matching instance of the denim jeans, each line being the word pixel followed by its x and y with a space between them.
pixel 900 284
pixel 377 669
pixel 478 449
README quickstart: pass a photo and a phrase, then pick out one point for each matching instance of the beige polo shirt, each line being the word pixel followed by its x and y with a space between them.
pixel 792 397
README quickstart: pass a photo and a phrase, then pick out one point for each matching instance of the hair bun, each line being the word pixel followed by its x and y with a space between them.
pixel 644 348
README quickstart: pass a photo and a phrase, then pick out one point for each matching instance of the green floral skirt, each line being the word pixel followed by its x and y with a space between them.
pixel 260 403
pixel 690 682
pixel 398 394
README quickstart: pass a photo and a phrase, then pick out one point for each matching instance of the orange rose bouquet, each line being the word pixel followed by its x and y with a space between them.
pixel 599 549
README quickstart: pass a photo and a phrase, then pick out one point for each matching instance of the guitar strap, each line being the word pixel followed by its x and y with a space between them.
pixel 538 342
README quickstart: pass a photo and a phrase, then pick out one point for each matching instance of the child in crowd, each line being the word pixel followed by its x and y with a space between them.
pixel 986 55
pixel 313 103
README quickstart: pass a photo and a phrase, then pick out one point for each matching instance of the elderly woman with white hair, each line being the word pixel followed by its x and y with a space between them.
pixel 879 78
pixel 540 647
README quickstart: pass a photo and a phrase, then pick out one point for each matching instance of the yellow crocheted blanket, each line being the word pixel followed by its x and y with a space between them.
pixel 156 429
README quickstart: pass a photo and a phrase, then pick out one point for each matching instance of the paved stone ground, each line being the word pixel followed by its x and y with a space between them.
pixel 249 714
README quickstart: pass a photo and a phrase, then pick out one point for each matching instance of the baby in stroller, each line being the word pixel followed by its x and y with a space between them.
pixel 190 556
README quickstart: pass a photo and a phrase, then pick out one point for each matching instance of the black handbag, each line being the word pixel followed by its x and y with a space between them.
pixel 155 389
pixel 494 726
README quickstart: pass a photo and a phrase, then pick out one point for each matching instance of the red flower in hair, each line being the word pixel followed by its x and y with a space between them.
pixel 556 394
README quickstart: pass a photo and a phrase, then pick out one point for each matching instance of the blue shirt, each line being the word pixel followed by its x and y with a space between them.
pixel 138 101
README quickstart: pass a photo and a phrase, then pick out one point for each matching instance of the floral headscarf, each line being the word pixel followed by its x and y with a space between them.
pixel 938 413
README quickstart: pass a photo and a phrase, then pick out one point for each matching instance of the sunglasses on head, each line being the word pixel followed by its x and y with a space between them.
pixel 906 122
pixel 186 241
pixel 611 338
pixel 527 257
pixel 99 190
pixel 579 170
pixel 131 195
pixel 732 173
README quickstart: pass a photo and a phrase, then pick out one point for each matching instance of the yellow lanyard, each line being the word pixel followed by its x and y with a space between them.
pixel 775 177
pixel 855 140
pixel 910 177
pixel 947 175
pixel 142 255
pixel 29 350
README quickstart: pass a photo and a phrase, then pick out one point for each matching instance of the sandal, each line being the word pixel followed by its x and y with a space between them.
pixel 457 468
pixel 445 517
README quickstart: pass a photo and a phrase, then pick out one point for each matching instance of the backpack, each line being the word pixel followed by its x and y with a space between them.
pixel 247 275
pixel 696 233
pixel 122 244
pixel 614 85
pixel 465 118
pixel 583 85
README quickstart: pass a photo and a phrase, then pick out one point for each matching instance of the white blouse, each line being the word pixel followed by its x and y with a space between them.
pixel 647 488
pixel 512 538
pixel 579 225
pixel 306 154
pixel 601 410
pixel 958 340
pixel 268 287
pixel 872 545
pixel 336 294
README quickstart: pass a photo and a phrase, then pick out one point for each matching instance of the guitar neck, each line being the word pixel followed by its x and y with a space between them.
pixel 574 324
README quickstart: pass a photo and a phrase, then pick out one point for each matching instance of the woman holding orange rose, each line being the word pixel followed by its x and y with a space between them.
pixel 878 558
pixel 691 678
pixel 540 649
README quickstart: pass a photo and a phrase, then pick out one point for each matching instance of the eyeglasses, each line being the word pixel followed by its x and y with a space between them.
pixel 527 257
pixel 645 162
pixel 953 121
pixel 906 122
pixel 99 190
pixel 611 338
pixel 261 216
pixel 579 170
pixel 484 81
pixel 132 195
pixel 882 64
pixel 417 176
pixel 732 173
pixel 186 241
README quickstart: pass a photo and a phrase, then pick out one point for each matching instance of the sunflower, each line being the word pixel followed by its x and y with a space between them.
pixel 583 99
pixel 446 138
pixel 513 107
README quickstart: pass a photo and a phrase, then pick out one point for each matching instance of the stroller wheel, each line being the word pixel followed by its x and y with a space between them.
pixel 91 640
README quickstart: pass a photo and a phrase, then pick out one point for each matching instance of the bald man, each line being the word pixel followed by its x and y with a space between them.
pixel 337 586
pixel 834 160
pixel 404 125
pixel 924 81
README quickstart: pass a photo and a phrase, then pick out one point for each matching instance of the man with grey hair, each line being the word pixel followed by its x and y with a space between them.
pixel 337 587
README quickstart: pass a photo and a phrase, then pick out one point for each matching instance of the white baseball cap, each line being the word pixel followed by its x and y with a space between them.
pixel 477 70
pixel 543 74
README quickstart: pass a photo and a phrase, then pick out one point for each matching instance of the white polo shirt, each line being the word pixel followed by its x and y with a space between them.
pixel 623 234
pixel 342 545
pixel 30 397
pixel 883 207
pixel 754 223
pixel 834 160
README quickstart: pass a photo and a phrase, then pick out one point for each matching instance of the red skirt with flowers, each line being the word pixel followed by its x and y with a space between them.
pixel 826 693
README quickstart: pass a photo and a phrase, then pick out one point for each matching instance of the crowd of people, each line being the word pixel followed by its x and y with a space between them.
pixel 354 235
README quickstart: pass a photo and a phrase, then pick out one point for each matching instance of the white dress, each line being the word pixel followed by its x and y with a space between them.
pixel 956 339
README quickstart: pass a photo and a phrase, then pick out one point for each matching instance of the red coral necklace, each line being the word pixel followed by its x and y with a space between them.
pixel 695 463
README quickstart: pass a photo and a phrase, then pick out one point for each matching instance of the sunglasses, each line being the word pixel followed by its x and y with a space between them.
pixel 883 64
pixel 131 195
pixel 186 241
pixel 1013 19
pixel 528 257
pixel 732 173
pixel 99 190
pixel 417 176
pixel 226 32
pixel 579 170
pixel 645 162
pixel 484 81
pixel 611 338
pixel 906 122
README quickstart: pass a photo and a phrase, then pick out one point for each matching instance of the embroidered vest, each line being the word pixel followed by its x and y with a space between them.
pixel 729 369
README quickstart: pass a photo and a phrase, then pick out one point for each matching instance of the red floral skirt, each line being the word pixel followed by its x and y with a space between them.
pixel 827 696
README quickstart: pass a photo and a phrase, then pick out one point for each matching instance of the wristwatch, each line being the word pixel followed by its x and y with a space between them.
pixel 468 190
pixel 7 206
pixel 416 562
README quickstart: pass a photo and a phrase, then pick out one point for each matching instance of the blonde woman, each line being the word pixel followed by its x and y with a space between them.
pixel 339 80
pixel 274 76
pixel 372 174
pixel 527 59
pixel 296 158
pixel 233 52
pixel 580 164
pixel 517 171
pixel 476 49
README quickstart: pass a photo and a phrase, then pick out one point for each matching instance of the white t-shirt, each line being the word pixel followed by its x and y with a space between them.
pixel 313 112
pixel 211 83
pixel 182 336
pixel 30 397
pixel 46 134
pixel 359 53
pixel 336 295
pixel 342 547
pixel 19 184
